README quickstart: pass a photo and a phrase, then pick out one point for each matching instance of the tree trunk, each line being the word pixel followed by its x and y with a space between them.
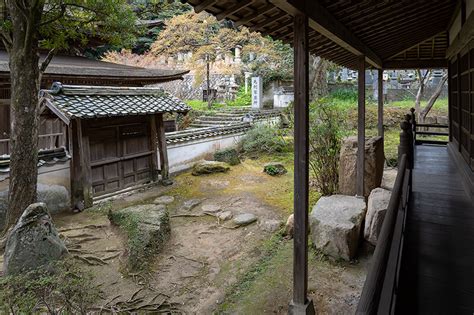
pixel 421 89
pixel 317 81
pixel 24 76
pixel 433 98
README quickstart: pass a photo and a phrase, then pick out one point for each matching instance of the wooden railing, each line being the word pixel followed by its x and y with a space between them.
pixel 380 289
pixel 424 130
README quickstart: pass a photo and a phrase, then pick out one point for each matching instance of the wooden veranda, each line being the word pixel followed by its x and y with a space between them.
pixel 361 35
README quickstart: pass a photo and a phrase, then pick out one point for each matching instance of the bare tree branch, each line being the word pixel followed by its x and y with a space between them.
pixel 433 98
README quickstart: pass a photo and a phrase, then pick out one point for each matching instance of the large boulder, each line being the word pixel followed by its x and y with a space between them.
pixel 376 209
pixel 3 207
pixel 336 225
pixel 374 164
pixel 147 228
pixel 33 242
pixel 229 156
pixel 56 197
pixel 210 167
pixel 389 177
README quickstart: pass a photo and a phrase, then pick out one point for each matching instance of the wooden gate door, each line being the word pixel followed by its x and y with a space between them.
pixel 120 157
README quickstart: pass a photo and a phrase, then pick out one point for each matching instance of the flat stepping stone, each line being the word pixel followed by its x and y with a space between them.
pixel 164 200
pixel 188 205
pixel 244 219
pixel 211 208
pixel 225 215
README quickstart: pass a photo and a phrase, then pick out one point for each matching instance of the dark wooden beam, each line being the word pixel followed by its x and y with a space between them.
pixel 380 102
pixel 254 15
pixel 162 148
pixel 153 146
pixel 80 169
pixel 268 21
pixel 204 5
pixel 233 9
pixel 361 128
pixel 415 64
pixel 321 20
pixel 300 303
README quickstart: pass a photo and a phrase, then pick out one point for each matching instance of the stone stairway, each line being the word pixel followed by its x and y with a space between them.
pixel 227 117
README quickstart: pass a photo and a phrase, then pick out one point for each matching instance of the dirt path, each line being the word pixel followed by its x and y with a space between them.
pixel 204 262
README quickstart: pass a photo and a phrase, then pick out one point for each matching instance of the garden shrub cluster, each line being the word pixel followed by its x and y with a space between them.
pixel 60 288
pixel 264 139
pixel 229 156
pixel 325 137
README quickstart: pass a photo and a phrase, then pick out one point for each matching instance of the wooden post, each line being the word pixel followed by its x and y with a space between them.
pixel 81 181
pixel 406 142
pixel 153 147
pixel 300 303
pixel 380 102
pixel 361 129
pixel 163 151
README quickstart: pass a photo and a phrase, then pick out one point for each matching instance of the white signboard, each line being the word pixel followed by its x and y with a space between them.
pixel 257 92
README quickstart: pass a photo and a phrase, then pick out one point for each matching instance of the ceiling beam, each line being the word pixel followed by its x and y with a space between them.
pixel 238 6
pixel 416 64
pixel 325 23
pixel 204 5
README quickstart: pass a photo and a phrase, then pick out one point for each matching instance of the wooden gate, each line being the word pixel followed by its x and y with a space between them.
pixel 120 156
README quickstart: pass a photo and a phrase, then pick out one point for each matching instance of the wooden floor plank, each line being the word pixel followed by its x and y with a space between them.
pixel 437 271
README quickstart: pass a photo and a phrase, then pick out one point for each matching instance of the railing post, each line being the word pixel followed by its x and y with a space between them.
pixel 406 142
pixel 413 123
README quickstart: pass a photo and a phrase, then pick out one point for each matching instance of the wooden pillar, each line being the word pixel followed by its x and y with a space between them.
pixel 300 303
pixel 153 147
pixel 380 102
pixel 361 128
pixel 163 151
pixel 80 169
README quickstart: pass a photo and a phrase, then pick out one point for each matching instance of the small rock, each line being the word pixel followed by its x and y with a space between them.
pixel 164 200
pixel 210 167
pixel 225 215
pixel 211 208
pixel 274 169
pixel 244 219
pixel 229 156
pixel 270 225
pixel 188 205
pixel 289 226
pixel 33 242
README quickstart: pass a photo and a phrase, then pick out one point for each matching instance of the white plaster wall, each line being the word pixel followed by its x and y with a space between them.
pixel 282 100
pixel 57 174
pixel 183 156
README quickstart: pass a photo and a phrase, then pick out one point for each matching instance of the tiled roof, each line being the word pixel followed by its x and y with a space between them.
pixel 87 102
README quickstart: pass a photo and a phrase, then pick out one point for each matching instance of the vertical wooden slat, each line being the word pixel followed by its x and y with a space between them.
pixel 77 196
pixel 380 102
pixel 163 151
pixel 300 303
pixel 361 128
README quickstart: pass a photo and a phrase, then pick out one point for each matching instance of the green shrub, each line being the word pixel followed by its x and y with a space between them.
pixel 325 136
pixel 60 288
pixel 241 99
pixel 229 156
pixel 264 139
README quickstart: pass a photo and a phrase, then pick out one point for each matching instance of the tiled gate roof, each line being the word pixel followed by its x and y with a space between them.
pixel 85 102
